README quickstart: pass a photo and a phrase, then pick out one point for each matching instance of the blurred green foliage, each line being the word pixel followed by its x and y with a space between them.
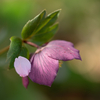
pixel 79 23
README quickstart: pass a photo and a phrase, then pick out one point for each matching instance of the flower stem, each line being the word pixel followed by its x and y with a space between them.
pixel 30 43
pixel 4 50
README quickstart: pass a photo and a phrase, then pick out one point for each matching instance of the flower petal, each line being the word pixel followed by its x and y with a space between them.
pixel 25 81
pixel 61 50
pixel 60 42
pixel 44 69
pixel 22 66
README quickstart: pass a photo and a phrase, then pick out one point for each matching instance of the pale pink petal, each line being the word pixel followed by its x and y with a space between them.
pixel 22 66
pixel 61 50
pixel 25 81
pixel 44 69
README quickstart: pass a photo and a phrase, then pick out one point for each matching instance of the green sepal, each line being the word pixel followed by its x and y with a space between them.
pixel 14 50
pixel 31 25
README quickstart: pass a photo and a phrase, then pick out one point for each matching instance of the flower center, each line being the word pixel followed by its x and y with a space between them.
pixel 39 49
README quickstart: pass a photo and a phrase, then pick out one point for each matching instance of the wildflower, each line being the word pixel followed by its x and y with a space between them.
pixel 23 68
pixel 45 61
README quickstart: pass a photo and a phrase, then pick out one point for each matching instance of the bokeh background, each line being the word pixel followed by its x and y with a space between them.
pixel 79 23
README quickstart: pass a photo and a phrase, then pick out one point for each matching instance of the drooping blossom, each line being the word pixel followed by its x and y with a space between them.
pixel 23 68
pixel 45 61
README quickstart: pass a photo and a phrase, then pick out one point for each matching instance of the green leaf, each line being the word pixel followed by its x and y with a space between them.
pixel 48 21
pixel 24 52
pixel 30 26
pixel 39 23
pixel 46 35
pixel 46 29
pixel 52 17
pixel 14 50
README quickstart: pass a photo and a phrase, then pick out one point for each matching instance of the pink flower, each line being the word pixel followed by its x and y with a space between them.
pixel 23 68
pixel 45 61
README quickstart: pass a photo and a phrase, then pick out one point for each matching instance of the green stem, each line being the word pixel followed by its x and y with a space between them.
pixel 32 44
pixel 4 50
